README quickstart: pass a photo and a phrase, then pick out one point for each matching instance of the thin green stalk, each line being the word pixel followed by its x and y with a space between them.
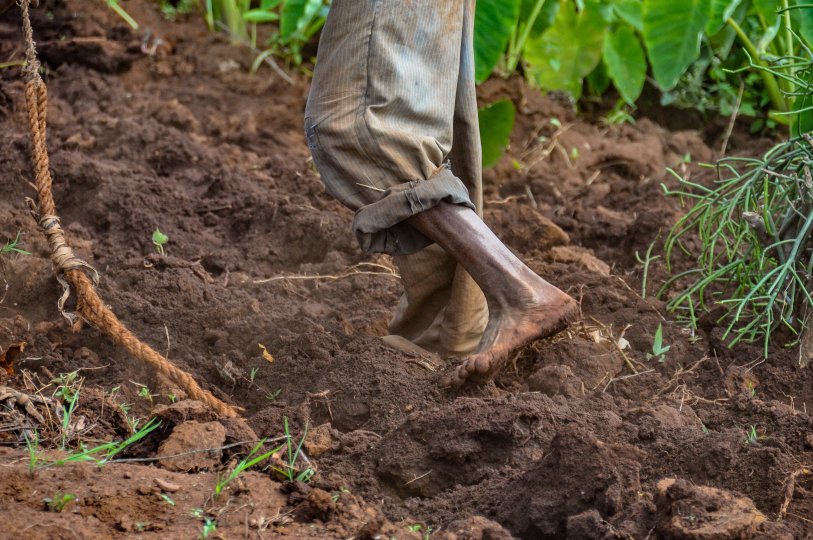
pixel 516 49
pixel 771 85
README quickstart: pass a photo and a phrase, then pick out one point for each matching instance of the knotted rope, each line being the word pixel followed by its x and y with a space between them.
pixel 71 270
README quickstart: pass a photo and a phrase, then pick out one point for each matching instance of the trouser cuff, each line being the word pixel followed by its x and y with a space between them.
pixel 380 227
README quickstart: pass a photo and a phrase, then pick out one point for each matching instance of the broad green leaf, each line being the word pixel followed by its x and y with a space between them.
pixel 260 16
pixel 269 4
pixel 768 10
pixel 803 18
pixel 598 81
pixel 626 62
pixel 496 125
pixel 629 11
pixel 721 10
pixel 568 51
pixel 494 20
pixel 296 15
pixel 672 32
pixel 545 18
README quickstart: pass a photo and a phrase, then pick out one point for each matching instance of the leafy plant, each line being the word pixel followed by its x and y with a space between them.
pixel 159 240
pixel 103 453
pixel 294 451
pixel 209 526
pixel 694 48
pixel 659 350
pixel 13 246
pixel 249 461
pixel 496 125
pixel 297 22
pixel 172 9
pixel 59 501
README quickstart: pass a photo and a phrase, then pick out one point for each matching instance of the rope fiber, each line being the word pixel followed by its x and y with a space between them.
pixel 70 270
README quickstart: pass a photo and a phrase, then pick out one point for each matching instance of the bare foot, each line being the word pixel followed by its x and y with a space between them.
pixel 513 326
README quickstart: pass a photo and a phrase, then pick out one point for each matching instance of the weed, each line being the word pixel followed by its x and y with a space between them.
pixel 159 240
pixel 209 526
pixel 104 453
pixel 253 374
pixel 172 397
pixel 659 350
pixel 289 470
pixel 751 435
pixel 249 461
pixel 337 496
pixel 58 502
pixel 114 5
pixel 13 246
pixel 32 444
pixel 752 389
pixel 167 499
pixel 646 261
pixel 271 396
pixel 620 114
pixel 172 9
pixel 419 528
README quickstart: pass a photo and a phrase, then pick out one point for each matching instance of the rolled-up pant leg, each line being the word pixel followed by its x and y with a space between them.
pixel 391 122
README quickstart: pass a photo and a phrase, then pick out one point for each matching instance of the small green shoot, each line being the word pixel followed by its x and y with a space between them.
pixel 159 240
pixel 659 350
pixel 209 526
pixel 752 388
pixel 58 502
pixel 253 374
pixel 167 499
pixel 293 452
pixel 32 443
pixel 104 453
pixel 271 396
pixel 249 461
pixel 751 435
pixel 172 397
pixel 12 246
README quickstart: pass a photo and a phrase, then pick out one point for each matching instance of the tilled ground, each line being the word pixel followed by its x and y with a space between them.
pixel 578 438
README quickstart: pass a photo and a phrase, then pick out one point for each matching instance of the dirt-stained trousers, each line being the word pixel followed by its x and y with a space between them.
pixel 391 122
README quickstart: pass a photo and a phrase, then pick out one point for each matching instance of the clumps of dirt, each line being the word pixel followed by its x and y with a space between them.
pixel 573 438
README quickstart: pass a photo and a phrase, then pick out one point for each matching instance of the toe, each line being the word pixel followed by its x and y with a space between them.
pixel 482 365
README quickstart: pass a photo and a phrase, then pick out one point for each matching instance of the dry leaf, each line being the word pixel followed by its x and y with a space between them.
pixel 266 354
pixel 8 358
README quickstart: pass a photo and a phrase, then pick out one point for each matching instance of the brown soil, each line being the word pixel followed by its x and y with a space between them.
pixel 568 441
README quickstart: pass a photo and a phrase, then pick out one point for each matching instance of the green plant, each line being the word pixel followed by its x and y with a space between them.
pixel 59 501
pixel 159 240
pixel 32 444
pixel 249 461
pixel 496 124
pixel 699 51
pixel 297 22
pixel 103 453
pixel 114 5
pixel 659 350
pixel 294 451
pixel 209 526
pixel 13 246
pixel 751 435
pixel 172 9
pixel 167 499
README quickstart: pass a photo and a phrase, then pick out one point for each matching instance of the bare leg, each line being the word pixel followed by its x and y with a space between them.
pixel 522 306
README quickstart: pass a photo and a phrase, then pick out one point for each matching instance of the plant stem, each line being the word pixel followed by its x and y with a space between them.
pixel 516 48
pixel 771 85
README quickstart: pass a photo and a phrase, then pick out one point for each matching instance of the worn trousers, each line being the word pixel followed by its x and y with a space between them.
pixel 391 122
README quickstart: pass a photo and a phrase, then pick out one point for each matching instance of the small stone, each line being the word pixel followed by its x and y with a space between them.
pixel 168 487
pixel 181 411
pixel 556 380
pixel 477 528
pixel 581 257
pixel 191 436
pixel 318 441
pixel 693 512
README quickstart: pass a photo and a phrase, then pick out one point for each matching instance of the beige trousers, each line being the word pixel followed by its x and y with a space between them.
pixel 391 123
